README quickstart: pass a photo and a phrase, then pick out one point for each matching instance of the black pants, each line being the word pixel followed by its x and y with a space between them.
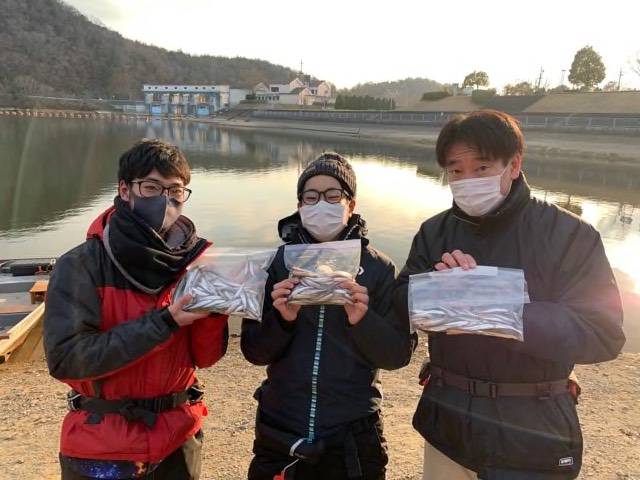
pixel 183 464
pixel 372 454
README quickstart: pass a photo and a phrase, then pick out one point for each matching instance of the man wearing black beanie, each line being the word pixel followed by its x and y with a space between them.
pixel 319 407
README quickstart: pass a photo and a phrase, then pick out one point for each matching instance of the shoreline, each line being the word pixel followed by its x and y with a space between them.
pixel 614 149
pixel 599 149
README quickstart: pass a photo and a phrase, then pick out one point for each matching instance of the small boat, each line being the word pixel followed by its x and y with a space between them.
pixel 23 285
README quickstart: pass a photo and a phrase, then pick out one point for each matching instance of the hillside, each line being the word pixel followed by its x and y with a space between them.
pixel 404 92
pixel 49 48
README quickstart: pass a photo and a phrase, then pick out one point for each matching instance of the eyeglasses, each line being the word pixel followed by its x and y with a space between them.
pixel 154 189
pixel 331 195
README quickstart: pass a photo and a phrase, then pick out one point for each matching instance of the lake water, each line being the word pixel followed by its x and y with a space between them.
pixel 56 175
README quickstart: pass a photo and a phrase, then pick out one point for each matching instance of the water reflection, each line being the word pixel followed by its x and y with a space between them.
pixel 50 168
pixel 57 175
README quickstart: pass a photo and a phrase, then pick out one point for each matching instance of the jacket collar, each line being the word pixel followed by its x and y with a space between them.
pixel 141 255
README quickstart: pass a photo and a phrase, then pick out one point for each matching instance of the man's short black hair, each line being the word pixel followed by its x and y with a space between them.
pixel 494 134
pixel 148 154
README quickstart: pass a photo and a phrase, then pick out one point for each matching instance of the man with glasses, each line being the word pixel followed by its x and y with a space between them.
pixel 113 335
pixel 318 410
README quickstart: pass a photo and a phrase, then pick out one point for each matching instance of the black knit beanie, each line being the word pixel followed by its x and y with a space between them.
pixel 335 166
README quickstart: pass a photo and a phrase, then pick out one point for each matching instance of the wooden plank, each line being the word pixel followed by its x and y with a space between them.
pixel 19 332
pixel 31 348
pixel 40 286
pixel 13 310
pixel 38 351
pixel 39 291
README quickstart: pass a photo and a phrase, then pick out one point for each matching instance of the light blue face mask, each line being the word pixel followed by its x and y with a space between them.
pixel 159 212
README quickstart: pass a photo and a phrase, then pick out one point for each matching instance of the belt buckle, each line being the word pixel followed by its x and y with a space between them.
pixel 478 388
pixel 543 390
pixel 196 392
pixel 72 398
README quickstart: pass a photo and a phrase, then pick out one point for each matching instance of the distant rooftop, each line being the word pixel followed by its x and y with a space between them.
pixel 181 88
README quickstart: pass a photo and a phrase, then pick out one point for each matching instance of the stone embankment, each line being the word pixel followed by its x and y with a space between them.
pixel 613 149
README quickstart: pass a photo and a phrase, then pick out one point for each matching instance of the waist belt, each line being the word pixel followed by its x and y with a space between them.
pixel 146 409
pixel 293 445
pixel 480 388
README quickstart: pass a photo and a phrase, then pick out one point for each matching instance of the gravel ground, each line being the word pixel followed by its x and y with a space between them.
pixel 33 407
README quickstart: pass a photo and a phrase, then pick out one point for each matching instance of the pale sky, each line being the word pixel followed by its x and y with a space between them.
pixel 353 41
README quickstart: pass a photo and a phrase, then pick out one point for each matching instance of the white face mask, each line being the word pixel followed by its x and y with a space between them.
pixel 477 196
pixel 324 220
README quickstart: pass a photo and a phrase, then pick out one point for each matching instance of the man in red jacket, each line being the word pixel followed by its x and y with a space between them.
pixel 113 335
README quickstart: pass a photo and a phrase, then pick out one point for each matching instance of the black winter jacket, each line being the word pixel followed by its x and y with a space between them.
pixel 575 316
pixel 351 356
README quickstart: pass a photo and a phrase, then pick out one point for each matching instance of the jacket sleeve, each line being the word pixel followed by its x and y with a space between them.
pixel 584 322
pixel 74 344
pixel 382 336
pixel 209 338
pixel 264 342
pixel 417 260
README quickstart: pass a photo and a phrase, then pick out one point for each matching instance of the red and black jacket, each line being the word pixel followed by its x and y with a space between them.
pixel 104 336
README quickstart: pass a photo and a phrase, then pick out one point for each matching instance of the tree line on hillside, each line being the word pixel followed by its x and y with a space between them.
pixel 49 48
pixel 366 102
pixel 586 73
pixel 403 92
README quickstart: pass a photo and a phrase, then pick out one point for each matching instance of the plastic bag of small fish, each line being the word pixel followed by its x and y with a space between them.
pixel 483 300
pixel 228 281
pixel 321 268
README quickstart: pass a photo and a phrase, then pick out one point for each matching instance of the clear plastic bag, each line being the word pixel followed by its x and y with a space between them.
pixel 228 281
pixel 321 268
pixel 483 300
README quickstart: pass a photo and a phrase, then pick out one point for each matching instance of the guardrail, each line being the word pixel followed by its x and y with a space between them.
pixel 437 119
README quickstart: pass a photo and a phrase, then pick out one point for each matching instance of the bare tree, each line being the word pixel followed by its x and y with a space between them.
pixel 635 64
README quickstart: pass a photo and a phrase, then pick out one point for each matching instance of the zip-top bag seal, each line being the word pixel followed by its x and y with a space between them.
pixel 482 300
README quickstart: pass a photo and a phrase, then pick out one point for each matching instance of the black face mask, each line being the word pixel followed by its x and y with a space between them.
pixel 160 212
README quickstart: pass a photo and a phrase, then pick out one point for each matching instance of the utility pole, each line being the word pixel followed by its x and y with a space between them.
pixel 540 79
pixel 619 77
